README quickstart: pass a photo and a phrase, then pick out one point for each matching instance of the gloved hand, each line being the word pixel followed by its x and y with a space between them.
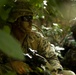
pixel 54 69
pixel 20 67
pixel 57 70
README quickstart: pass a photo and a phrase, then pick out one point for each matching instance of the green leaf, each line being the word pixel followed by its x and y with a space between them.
pixel 2 2
pixel 10 46
pixel 5 7
pixel 6 29
pixel 4 13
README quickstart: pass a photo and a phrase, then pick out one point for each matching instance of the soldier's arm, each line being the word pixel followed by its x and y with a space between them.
pixel 47 51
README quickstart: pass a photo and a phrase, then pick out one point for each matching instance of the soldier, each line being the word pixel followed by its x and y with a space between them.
pixel 69 60
pixel 21 20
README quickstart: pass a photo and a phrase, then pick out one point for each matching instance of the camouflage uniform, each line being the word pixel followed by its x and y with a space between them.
pixel 69 53
pixel 68 43
pixel 36 42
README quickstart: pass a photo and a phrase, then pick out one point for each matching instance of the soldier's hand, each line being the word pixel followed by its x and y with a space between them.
pixel 57 72
pixel 20 67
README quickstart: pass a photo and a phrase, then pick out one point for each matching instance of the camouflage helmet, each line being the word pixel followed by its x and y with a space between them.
pixel 21 8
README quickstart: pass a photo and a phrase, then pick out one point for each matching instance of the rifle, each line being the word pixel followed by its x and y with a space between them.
pixel 36 62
